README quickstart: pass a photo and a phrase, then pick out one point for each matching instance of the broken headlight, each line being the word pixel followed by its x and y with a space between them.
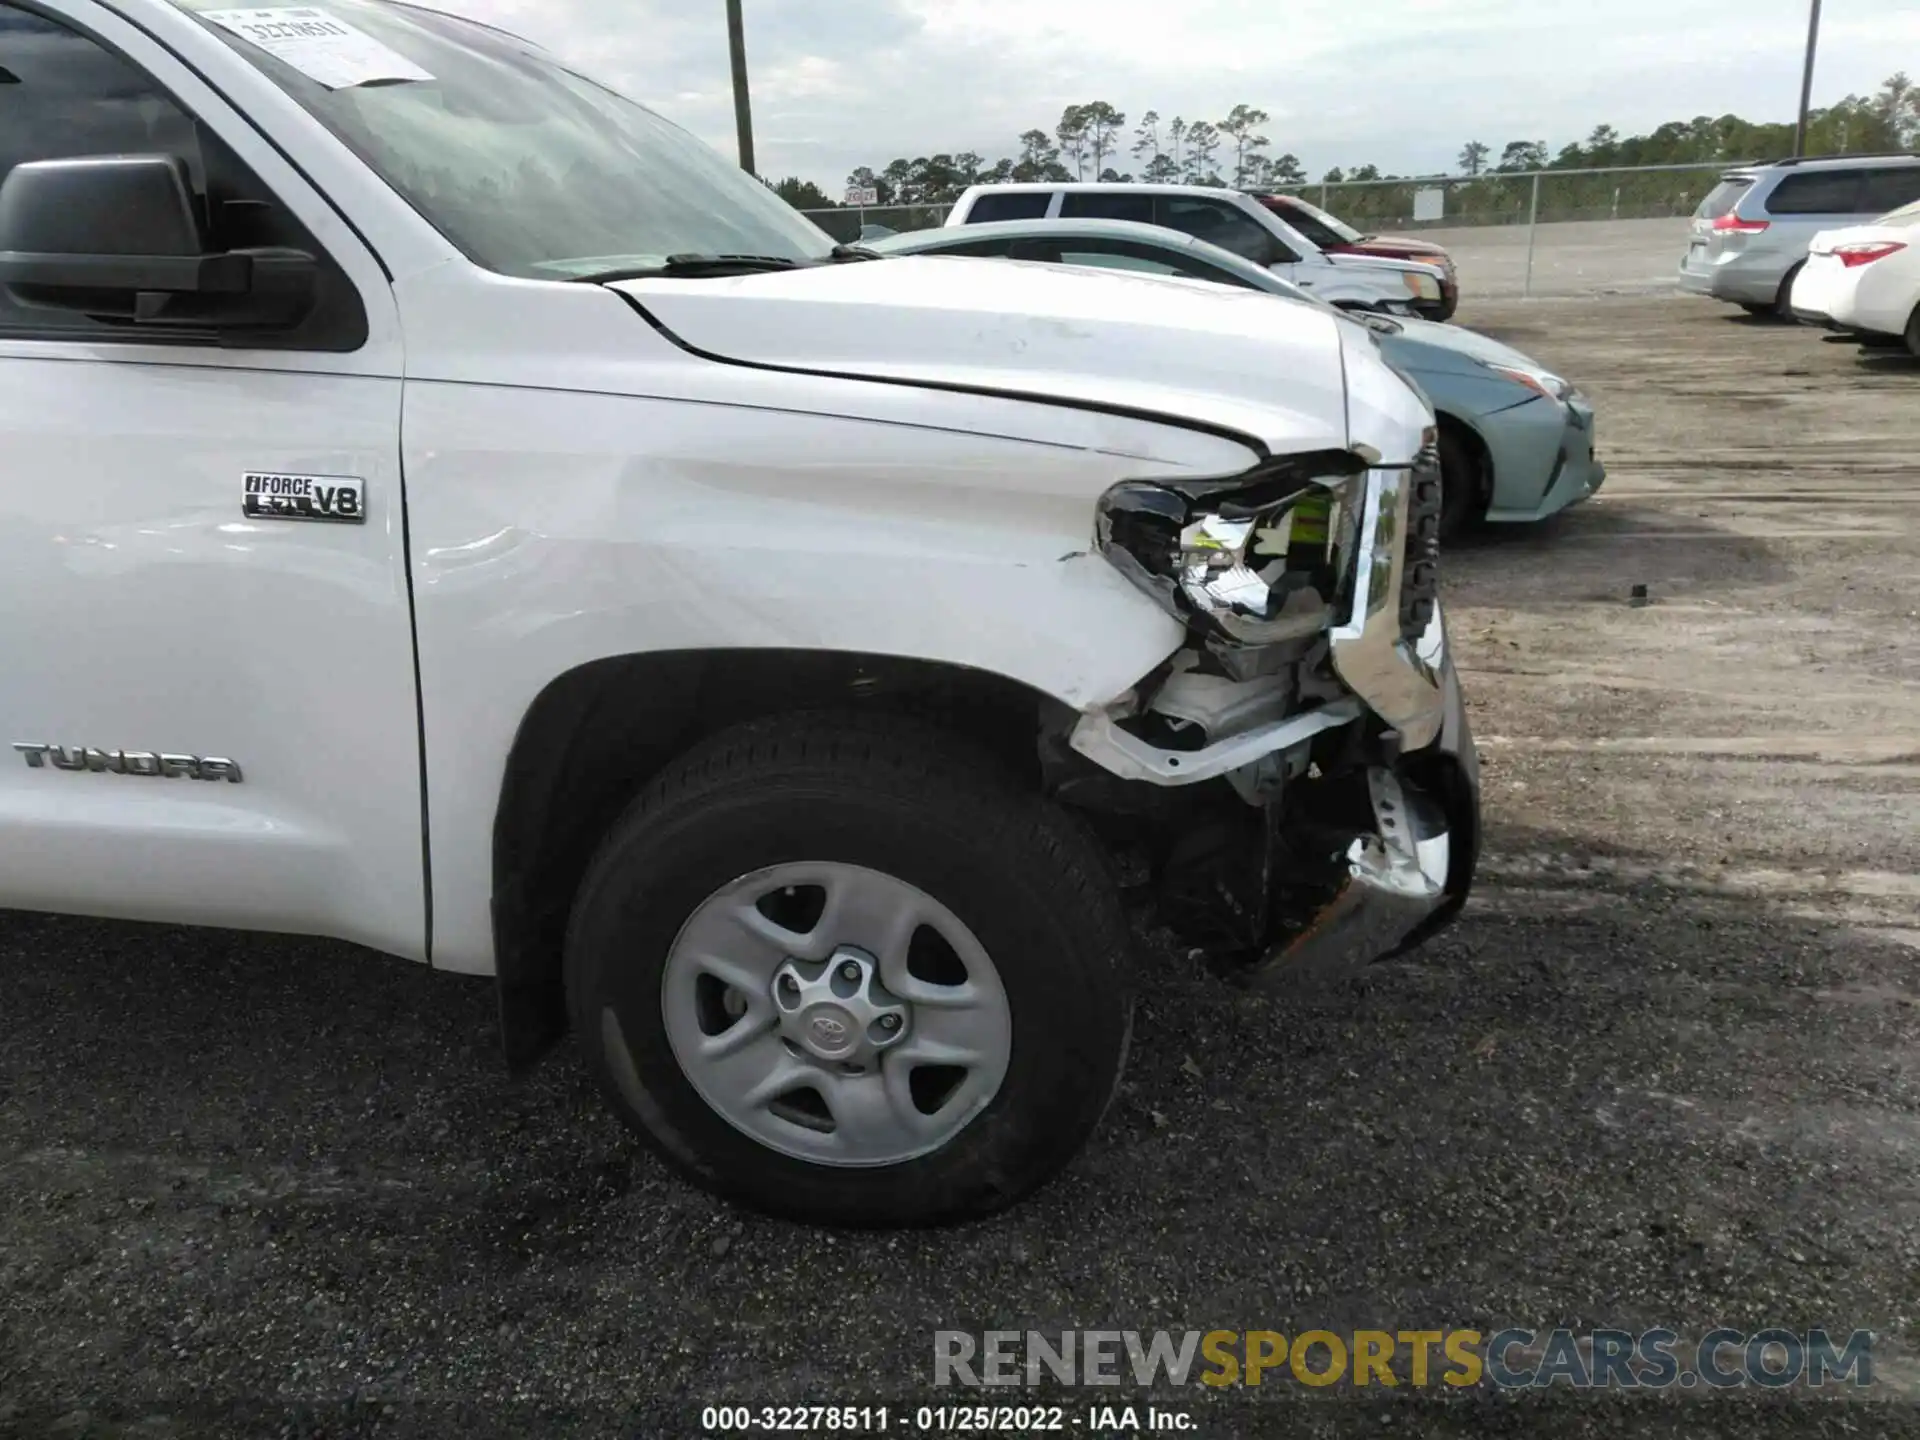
pixel 1253 560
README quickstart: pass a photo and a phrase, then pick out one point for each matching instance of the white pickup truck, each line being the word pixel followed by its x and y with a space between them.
pixel 445 506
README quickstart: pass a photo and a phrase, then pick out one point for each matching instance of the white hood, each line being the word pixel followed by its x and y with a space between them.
pixel 1382 264
pixel 1214 356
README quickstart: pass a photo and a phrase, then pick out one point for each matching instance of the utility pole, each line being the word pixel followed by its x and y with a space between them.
pixel 1806 81
pixel 742 107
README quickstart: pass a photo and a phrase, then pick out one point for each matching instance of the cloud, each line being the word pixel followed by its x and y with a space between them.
pixel 1398 83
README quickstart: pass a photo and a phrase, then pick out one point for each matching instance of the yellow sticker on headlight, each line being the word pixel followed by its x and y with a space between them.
pixel 1310 518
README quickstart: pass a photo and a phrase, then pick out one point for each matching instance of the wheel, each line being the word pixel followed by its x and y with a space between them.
pixel 1913 333
pixel 1783 298
pixel 847 970
pixel 1460 483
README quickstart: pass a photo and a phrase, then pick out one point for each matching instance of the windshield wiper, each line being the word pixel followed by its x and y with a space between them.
pixel 690 266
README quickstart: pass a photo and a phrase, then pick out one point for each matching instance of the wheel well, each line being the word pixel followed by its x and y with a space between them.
pixel 1783 297
pixel 1469 439
pixel 596 735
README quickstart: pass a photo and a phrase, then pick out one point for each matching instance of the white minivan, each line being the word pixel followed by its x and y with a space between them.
pixel 1231 220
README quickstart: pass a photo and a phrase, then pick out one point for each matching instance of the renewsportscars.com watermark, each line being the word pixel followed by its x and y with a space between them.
pixel 1659 1359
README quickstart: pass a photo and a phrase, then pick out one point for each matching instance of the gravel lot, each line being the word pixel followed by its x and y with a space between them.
pixel 1665 1070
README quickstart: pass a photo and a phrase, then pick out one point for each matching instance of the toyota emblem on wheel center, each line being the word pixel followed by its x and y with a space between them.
pixel 829 1031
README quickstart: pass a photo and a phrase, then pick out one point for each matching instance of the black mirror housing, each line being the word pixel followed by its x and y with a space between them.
pixel 104 205
pixel 120 237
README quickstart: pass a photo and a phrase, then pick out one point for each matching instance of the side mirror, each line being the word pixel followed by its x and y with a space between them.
pixel 119 237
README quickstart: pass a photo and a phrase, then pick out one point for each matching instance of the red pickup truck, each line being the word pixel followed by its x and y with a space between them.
pixel 1337 237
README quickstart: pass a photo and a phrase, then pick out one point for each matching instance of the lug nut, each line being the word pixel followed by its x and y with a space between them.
pixel 889 1022
pixel 849 971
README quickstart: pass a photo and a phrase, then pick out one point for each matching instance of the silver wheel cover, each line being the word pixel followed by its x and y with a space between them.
pixel 823 1044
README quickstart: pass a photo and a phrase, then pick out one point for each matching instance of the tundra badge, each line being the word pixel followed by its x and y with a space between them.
pixel 128 762
pixel 266 496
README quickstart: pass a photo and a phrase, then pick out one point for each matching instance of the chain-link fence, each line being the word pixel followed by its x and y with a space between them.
pixel 1541 231
pixel 1538 232
pixel 1643 192
pixel 1520 197
pixel 846 224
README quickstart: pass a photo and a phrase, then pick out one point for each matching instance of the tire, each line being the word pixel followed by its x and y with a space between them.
pixel 1913 333
pixel 1460 484
pixel 869 802
pixel 1755 310
pixel 1783 298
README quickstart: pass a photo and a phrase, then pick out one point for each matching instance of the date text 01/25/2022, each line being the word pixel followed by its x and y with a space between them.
pixel 943 1419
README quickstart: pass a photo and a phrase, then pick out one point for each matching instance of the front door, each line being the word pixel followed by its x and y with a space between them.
pixel 207 694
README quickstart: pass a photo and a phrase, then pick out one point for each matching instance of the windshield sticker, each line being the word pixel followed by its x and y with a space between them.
pixel 319 45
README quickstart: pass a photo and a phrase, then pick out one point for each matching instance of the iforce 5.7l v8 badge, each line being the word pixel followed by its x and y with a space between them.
pixel 304 497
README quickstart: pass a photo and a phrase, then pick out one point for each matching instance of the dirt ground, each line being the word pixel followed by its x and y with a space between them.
pixel 1666 1070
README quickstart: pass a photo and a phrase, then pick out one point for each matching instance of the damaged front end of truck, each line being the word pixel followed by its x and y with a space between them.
pixel 1295 790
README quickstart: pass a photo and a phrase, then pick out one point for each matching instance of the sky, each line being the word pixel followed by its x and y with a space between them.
pixel 1402 84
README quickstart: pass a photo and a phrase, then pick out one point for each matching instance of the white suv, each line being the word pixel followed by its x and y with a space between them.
pixel 1231 220
pixel 447 507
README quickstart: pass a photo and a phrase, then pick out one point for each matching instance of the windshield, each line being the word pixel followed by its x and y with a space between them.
pixel 1313 222
pixel 530 168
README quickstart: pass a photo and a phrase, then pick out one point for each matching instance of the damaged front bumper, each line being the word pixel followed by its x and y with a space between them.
pixel 1384 871
pixel 1347 827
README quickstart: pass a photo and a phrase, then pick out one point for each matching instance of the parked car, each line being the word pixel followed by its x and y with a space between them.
pixel 449 508
pixel 1751 233
pixel 1865 281
pixel 1336 237
pixel 1229 219
pixel 1516 441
